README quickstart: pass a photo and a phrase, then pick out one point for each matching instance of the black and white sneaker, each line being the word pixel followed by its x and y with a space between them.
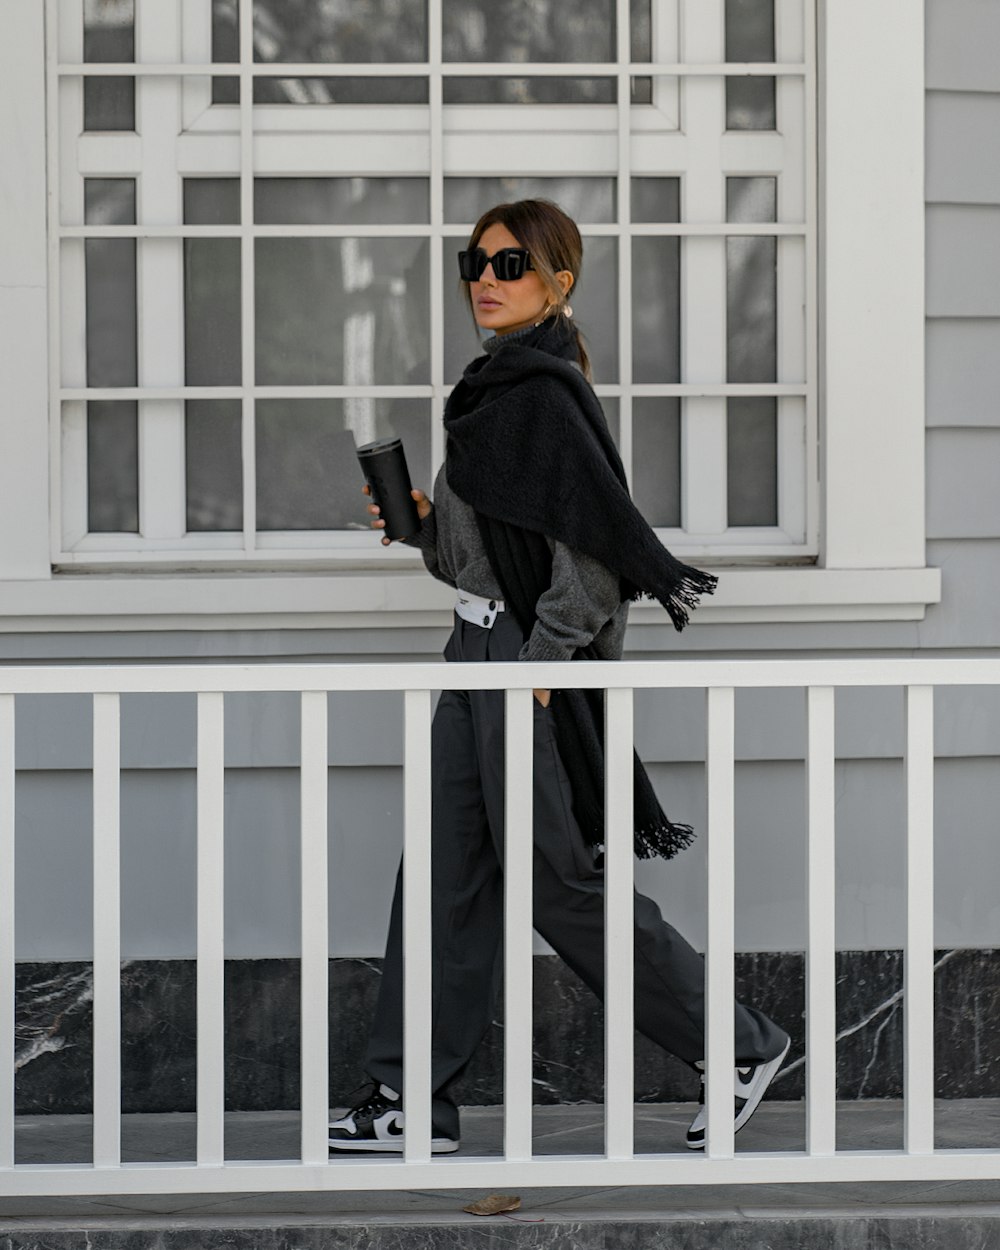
pixel 375 1123
pixel 750 1085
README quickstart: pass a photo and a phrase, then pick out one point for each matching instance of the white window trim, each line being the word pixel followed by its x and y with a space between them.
pixel 871 347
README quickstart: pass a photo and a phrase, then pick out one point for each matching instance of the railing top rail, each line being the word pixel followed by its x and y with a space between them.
pixel 401 676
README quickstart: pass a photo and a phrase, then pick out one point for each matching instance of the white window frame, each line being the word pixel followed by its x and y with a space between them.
pixel 871 419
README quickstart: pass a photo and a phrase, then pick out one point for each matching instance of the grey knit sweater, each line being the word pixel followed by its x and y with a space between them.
pixel 582 603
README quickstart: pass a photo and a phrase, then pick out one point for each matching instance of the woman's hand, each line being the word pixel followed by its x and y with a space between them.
pixel 543 696
pixel 422 502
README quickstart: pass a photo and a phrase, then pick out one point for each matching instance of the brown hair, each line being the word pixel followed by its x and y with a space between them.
pixel 552 238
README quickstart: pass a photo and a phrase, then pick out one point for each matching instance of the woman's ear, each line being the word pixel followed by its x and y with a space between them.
pixel 565 280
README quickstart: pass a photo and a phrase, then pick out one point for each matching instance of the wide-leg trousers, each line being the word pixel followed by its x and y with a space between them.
pixel 467 899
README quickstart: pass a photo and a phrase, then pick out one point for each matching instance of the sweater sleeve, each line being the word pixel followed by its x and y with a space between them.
pixel 425 541
pixel 582 598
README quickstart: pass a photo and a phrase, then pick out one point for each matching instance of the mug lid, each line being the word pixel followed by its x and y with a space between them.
pixel 381 444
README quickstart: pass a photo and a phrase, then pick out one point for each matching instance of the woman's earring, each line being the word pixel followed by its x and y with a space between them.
pixel 567 310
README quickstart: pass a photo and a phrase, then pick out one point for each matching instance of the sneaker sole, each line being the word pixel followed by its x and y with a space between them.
pixel 766 1075
pixel 439 1146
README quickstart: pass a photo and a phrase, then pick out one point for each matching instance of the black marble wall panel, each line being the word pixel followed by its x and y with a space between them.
pixel 54 1033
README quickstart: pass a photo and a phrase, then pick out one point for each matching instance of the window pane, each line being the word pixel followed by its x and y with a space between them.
pixel 751 285
pixel 213 457
pixel 656 310
pixel 549 90
pixel 656 199
pixel 349 89
pixel 303 31
pixel 656 459
pixel 307 473
pixel 212 201
pixel 544 30
pixel 340 201
pixel 109 36
pixel 752 445
pixel 585 199
pixel 212 315
pixel 112 467
pixel 109 201
pixel 344 32
pixel 342 311
pixel 595 306
pixel 750 102
pixel 110 284
pixel 752 199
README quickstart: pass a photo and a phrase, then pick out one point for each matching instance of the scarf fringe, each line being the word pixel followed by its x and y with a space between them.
pixel 662 840
pixel 683 595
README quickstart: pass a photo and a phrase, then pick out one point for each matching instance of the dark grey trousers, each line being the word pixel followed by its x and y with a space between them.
pixel 467 889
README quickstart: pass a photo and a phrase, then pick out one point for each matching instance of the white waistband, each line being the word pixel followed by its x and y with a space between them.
pixel 477 610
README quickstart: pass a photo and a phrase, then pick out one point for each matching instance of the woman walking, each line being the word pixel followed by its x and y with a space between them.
pixel 532 525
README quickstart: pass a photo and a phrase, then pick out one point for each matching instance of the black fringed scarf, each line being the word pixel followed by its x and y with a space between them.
pixel 529 449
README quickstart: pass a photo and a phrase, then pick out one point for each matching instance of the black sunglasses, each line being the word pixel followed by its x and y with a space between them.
pixel 509 264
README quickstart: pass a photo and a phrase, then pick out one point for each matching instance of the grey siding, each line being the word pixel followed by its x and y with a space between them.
pixel 963 372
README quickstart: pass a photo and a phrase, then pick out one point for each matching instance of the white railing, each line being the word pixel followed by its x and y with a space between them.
pixel 619 1165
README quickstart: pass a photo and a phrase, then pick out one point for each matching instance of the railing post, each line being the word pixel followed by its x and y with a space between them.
pixel 315 958
pixel 719 1049
pixel 211 930
pixel 518 896
pixel 918 958
pixel 6 930
pixel 417 926
pixel 619 927
pixel 107 931
pixel 821 980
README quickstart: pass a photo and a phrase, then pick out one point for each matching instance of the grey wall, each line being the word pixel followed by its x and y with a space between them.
pixel 963 458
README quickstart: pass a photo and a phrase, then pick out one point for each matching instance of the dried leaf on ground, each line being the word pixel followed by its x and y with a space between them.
pixel 494 1204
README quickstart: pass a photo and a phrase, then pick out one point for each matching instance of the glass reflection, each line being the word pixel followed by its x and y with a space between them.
pixel 112 466
pixel 212 286
pixel 656 459
pixel 340 201
pixel 110 284
pixel 212 201
pixel 342 311
pixel 587 200
pixel 750 101
pixel 213 456
pixel 656 199
pixel 522 31
pixel 541 30
pixel 307 472
pixel 656 309
pixel 751 284
pixel 752 460
pixel 108 36
pixel 345 32
pixel 212 314
pixel 752 199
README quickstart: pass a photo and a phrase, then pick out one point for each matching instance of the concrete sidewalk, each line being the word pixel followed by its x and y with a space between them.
pixel 951 1215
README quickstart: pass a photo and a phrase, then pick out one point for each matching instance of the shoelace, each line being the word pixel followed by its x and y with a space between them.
pixel 372 1101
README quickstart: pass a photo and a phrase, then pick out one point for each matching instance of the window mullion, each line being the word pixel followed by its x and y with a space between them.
pixel 703 277
pixel 160 279
pixel 624 237
pixel 247 281
pixel 438 266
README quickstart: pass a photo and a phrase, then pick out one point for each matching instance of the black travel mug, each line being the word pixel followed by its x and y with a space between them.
pixel 384 466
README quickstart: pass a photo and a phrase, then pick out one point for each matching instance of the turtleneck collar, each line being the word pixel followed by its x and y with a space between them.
pixel 492 345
